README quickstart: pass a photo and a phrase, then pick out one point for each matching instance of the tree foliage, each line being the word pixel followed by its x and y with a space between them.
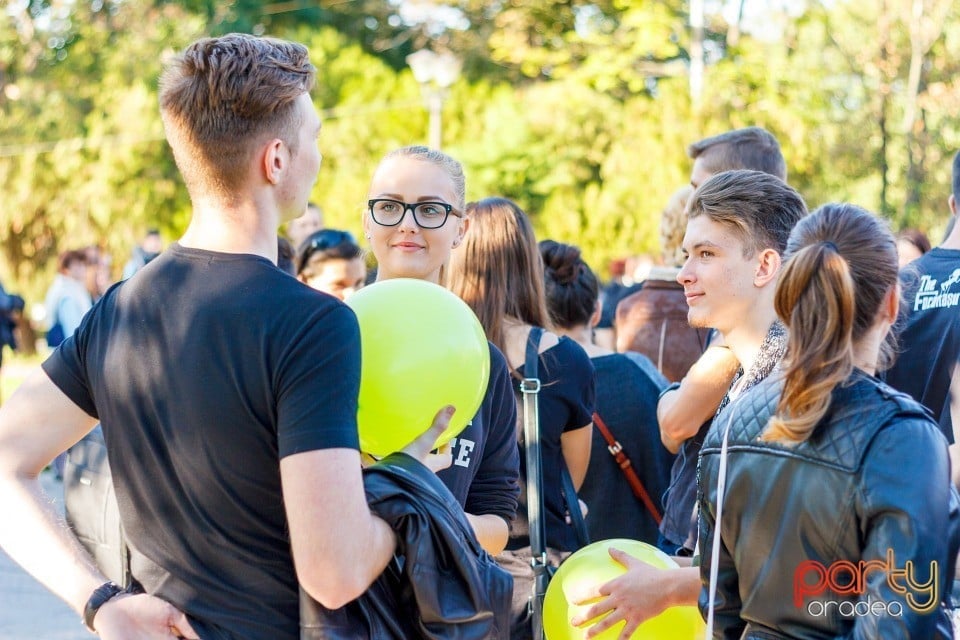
pixel 580 111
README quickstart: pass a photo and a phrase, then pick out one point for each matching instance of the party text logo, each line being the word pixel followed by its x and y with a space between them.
pixel 814 584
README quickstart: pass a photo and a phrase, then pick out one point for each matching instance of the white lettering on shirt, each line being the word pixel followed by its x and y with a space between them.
pixel 929 298
pixel 462 450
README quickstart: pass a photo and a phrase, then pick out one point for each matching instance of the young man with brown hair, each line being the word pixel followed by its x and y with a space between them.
pixel 737 230
pixel 226 389
pixel 685 408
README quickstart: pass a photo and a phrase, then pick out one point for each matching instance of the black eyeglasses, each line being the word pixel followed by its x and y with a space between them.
pixel 428 215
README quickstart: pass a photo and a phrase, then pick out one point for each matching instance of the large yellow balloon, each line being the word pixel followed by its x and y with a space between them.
pixel 422 348
pixel 591 567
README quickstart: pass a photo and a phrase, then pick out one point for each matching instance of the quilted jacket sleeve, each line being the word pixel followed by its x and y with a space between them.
pixel 908 514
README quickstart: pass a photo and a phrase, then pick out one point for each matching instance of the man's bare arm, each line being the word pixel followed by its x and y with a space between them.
pixel 37 423
pixel 339 546
pixel 682 411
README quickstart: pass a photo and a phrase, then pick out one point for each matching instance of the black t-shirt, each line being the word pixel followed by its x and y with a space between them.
pixel 205 370
pixel 565 402
pixel 929 344
pixel 484 476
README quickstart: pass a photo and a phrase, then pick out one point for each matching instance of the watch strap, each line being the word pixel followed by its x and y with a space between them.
pixel 100 596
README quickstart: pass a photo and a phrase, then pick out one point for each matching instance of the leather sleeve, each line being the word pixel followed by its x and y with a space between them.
pixel 726 621
pixel 908 514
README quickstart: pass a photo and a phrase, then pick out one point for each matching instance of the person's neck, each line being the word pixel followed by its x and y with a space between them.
pixel 866 351
pixel 243 227
pixel 583 335
pixel 382 275
pixel 747 338
pixel 952 241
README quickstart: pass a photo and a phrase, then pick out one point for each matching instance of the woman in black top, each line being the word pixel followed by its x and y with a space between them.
pixel 499 273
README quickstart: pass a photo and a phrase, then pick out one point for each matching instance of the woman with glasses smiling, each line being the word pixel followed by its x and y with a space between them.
pixel 331 261
pixel 414 220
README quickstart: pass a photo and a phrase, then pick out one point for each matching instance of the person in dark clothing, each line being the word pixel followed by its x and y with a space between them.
pixel 628 386
pixel 10 305
pixel 827 469
pixel 499 273
pixel 227 390
pixel 928 365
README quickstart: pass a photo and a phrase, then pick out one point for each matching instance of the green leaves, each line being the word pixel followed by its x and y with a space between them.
pixel 580 111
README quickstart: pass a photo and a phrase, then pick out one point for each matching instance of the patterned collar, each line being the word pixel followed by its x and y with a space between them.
pixel 770 354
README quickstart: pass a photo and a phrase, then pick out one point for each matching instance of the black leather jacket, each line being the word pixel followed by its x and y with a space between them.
pixel 871 484
pixel 441 583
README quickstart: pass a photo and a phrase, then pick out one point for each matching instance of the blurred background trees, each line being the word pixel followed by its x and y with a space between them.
pixel 581 111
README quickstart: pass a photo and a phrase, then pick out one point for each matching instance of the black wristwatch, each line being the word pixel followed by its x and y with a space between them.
pixel 100 596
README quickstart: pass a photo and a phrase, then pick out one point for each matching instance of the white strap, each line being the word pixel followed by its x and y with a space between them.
pixel 715 551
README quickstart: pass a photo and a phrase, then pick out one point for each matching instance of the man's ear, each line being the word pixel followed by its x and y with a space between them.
pixel 768 267
pixel 274 157
pixel 952 202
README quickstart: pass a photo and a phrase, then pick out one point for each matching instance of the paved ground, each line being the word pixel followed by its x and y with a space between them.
pixel 27 610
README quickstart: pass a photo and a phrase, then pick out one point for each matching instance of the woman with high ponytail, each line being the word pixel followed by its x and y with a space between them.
pixel 835 484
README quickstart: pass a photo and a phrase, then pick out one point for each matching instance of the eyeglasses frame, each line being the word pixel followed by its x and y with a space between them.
pixel 411 207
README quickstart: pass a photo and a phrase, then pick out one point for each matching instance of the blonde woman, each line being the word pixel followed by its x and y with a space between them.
pixel 414 220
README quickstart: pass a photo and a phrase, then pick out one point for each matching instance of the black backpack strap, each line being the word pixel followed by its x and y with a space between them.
pixel 531 370
pixel 529 388
pixel 531 365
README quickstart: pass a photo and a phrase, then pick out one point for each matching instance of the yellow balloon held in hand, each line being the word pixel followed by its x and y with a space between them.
pixel 591 567
pixel 422 348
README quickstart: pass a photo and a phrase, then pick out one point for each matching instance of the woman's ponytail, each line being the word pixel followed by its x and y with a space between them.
pixel 841 261
pixel 815 299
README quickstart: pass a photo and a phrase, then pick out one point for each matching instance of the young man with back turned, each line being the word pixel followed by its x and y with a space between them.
pixel 226 389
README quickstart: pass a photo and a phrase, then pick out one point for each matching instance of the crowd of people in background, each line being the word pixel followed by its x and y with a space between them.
pixel 725 372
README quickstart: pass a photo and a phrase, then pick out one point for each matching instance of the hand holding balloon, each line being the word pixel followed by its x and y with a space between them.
pixel 636 603
pixel 635 597
pixel 422 447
